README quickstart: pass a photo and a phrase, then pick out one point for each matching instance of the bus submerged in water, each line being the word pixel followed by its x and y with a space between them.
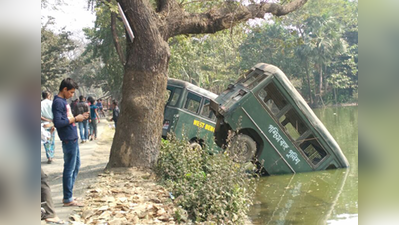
pixel 273 126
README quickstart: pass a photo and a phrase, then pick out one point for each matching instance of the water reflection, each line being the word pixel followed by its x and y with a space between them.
pixel 306 198
pixel 324 197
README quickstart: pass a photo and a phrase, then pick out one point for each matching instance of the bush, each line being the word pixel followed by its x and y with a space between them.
pixel 210 188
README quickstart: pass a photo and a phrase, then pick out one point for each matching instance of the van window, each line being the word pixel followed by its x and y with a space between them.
pixel 313 150
pixel 193 102
pixel 272 98
pixel 206 111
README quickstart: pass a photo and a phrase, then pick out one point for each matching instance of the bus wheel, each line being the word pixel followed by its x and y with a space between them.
pixel 243 148
pixel 195 146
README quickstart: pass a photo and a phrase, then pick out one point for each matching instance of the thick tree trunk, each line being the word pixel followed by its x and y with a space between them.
pixel 138 133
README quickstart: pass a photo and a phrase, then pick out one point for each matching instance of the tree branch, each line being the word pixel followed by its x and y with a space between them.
pixel 225 17
pixel 115 38
pixel 107 4
pixel 164 6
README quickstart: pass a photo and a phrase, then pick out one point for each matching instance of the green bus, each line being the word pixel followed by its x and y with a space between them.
pixel 273 126
pixel 187 113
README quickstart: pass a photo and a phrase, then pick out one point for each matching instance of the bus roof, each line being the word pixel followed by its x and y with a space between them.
pixel 303 107
pixel 192 87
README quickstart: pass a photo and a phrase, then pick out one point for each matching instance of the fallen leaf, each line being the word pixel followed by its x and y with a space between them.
pixel 87 213
pixel 105 215
pixel 103 208
pixel 75 218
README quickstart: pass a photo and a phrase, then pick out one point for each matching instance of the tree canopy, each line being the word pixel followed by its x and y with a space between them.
pixel 54 58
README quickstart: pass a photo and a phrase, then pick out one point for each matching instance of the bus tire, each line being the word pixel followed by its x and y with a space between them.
pixel 243 148
pixel 195 146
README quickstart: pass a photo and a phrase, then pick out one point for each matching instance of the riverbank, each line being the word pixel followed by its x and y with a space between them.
pixel 336 105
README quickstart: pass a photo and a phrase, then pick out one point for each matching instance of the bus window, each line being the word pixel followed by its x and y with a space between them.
pixel 174 94
pixel 293 124
pixel 245 78
pixel 206 111
pixel 253 78
pixel 313 150
pixel 193 102
pixel 167 96
pixel 272 98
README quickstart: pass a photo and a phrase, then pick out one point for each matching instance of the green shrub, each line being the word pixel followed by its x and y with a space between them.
pixel 211 188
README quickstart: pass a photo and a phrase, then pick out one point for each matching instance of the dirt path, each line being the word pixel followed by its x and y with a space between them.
pixel 94 156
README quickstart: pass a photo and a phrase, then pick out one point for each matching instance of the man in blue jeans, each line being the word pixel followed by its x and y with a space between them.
pixel 65 123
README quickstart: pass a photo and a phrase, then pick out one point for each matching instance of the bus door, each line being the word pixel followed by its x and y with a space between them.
pixel 172 105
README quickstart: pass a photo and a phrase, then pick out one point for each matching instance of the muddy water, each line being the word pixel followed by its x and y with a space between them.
pixel 326 197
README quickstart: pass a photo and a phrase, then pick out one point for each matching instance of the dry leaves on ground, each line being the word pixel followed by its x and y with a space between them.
pixel 123 197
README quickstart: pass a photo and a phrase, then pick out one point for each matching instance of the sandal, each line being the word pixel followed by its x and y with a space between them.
pixel 74 199
pixel 54 221
pixel 73 203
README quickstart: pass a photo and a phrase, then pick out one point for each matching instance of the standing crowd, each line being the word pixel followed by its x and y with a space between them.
pixel 88 127
pixel 63 118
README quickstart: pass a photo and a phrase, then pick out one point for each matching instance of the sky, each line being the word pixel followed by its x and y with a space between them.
pixel 74 15
pixel 71 14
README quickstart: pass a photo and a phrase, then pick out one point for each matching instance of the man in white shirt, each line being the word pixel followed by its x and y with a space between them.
pixel 46 118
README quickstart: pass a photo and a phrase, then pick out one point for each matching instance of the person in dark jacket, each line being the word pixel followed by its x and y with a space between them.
pixel 73 106
pixel 115 112
pixel 81 108
pixel 65 123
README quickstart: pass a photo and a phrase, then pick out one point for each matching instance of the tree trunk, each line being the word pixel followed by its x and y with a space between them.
pixel 325 80
pixel 315 88
pixel 308 79
pixel 138 132
pixel 115 38
pixel 335 95
pixel 320 79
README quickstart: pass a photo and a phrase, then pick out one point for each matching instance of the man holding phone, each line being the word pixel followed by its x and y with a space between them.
pixel 65 123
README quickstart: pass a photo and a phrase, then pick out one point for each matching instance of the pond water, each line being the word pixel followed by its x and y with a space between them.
pixel 324 197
